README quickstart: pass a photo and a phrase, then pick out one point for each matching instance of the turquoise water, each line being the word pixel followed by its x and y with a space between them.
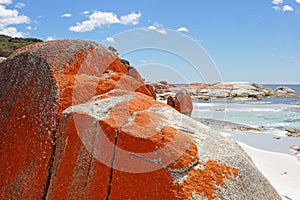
pixel 274 114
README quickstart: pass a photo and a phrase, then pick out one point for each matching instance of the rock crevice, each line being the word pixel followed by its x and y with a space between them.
pixel 78 124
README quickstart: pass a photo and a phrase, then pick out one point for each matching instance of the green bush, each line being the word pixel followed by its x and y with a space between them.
pixel 9 44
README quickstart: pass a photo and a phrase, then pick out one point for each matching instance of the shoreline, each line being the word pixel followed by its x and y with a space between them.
pixel 285 177
pixel 269 148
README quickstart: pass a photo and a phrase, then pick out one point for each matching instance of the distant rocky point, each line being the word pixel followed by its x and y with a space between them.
pixel 226 90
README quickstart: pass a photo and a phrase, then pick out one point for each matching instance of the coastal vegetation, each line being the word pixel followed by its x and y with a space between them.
pixel 10 44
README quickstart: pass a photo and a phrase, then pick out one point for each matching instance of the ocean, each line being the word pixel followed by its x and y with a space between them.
pixel 273 114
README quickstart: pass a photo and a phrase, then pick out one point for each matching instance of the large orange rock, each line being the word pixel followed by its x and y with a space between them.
pixel 124 145
pixel 38 82
pixel 183 102
pixel 75 124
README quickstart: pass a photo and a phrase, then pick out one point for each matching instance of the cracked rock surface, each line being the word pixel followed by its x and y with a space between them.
pixel 124 145
pixel 38 82
pixel 76 124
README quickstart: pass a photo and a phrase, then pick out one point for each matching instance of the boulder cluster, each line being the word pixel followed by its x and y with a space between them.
pixel 223 90
pixel 76 123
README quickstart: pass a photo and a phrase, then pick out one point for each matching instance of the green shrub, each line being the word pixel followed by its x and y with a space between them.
pixel 9 44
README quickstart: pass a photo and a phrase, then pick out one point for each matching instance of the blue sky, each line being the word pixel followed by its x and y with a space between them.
pixel 255 40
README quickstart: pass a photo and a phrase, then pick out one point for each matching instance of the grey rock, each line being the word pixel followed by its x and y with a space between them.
pixel 228 90
pixel 293 132
pixel 249 183
pixel 295 148
pixel 227 126
pixel 284 91
pixel 2 59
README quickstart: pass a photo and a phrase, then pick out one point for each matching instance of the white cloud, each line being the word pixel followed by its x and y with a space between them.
pixel 298 1
pixel 11 31
pixel 157 29
pixel 277 8
pixel 132 18
pixel 66 15
pixel 49 38
pixel 182 29
pixel 287 8
pixel 29 27
pixel 7 2
pixel 10 17
pixel 20 5
pixel 99 19
pixel 277 2
pixel 110 40
pixel 85 12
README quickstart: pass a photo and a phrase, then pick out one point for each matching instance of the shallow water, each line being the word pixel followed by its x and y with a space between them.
pixel 273 114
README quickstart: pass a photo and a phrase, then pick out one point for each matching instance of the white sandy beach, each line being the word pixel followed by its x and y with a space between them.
pixel 282 170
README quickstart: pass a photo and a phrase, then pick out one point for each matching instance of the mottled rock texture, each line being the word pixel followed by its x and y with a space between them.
pixel 78 124
pixel 183 102
pixel 38 82
pixel 124 145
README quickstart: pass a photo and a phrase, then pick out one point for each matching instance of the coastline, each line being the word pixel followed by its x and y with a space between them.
pixel 269 145
pixel 282 170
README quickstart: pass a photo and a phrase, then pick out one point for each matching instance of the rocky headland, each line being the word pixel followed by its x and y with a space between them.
pixel 76 123
pixel 224 90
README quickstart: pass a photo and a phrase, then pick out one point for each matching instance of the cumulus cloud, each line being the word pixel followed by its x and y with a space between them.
pixel 298 1
pixel 110 40
pixel 10 17
pixel 277 8
pixel 99 19
pixel 5 2
pixel 132 18
pixel 277 2
pixel 11 31
pixel 49 38
pixel 158 29
pixel 66 15
pixel 287 8
pixel 85 12
pixel 20 5
pixel 182 29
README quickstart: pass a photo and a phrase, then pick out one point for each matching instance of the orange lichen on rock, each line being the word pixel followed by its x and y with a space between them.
pixel 38 82
pixel 59 140
pixel 183 102
pixel 204 181
pixel 77 172
pixel 179 151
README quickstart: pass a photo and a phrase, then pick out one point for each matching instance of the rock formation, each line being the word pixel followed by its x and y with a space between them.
pixel 75 124
pixel 152 90
pixel 38 82
pixel 225 90
pixel 183 102
pixel 126 145
pixel 171 101
pixel 284 91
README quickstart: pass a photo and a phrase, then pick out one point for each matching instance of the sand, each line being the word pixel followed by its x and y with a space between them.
pixel 282 170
